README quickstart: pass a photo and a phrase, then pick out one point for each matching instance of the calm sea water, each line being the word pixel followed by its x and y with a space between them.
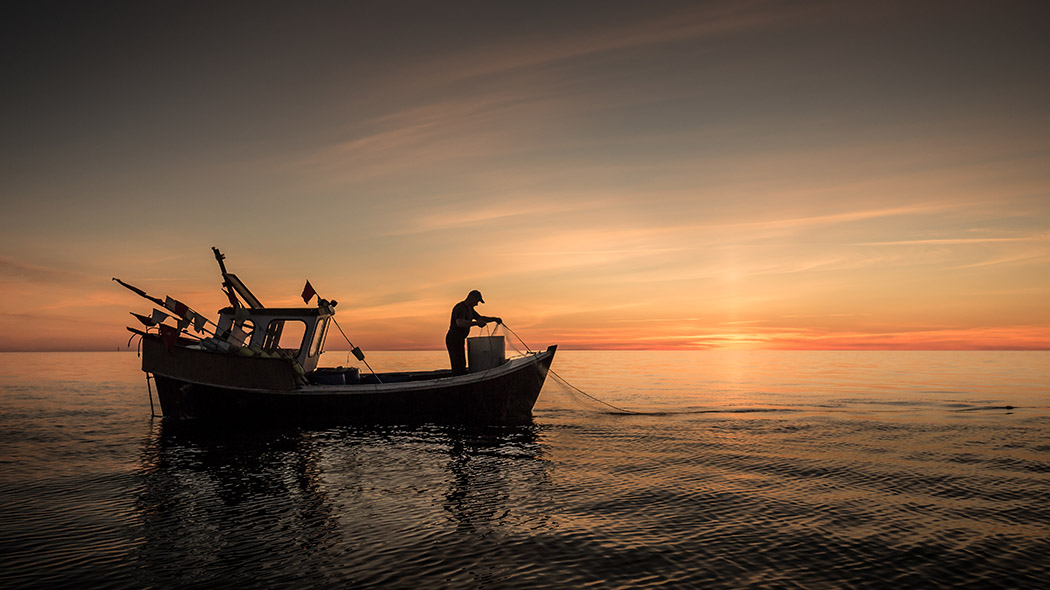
pixel 740 470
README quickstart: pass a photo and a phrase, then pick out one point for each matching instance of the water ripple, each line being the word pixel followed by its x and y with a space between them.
pixel 860 486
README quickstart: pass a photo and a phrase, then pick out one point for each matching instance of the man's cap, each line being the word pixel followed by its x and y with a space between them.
pixel 476 293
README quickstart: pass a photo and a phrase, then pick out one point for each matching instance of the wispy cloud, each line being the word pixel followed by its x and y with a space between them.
pixel 510 210
pixel 831 219
pixel 13 269
pixel 958 241
pixel 700 21
pixel 1026 257
pixel 427 138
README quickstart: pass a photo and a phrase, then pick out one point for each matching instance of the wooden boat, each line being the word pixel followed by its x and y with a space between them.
pixel 259 365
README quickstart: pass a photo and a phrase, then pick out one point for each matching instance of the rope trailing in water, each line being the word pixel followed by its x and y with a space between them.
pixel 582 392
pixel 357 351
pixel 563 381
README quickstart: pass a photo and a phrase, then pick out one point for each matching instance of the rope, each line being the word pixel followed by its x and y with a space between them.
pixel 564 382
pixel 352 347
pixel 580 391
pixel 507 328
pixel 152 412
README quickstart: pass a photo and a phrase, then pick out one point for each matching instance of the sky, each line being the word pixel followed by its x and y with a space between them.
pixel 753 174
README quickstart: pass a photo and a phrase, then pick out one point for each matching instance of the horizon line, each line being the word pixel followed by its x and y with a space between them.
pixel 564 348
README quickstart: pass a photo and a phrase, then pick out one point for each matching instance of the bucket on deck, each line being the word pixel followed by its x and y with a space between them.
pixel 335 376
pixel 485 352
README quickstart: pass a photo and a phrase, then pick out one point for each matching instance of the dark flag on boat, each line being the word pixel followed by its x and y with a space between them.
pixel 145 319
pixel 177 306
pixel 308 292
pixel 159 316
pixel 169 335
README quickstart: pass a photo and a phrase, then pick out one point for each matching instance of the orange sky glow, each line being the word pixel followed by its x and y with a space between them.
pixel 680 175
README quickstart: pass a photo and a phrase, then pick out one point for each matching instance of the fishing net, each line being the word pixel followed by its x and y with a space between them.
pixel 558 393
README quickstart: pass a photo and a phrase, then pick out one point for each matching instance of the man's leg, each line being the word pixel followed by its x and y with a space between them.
pixel 456 356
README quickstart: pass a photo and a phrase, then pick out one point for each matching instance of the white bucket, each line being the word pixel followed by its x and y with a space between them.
pixel 485 352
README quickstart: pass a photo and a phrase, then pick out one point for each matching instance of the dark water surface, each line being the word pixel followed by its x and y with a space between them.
pixel 744 470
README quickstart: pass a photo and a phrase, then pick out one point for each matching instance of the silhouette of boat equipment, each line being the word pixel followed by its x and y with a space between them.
pixel 259 364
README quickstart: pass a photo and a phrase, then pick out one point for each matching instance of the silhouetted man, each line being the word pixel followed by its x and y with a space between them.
pixel 463 317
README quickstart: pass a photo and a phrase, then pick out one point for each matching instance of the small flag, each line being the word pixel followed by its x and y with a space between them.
pixel 308 292
pixel 199 322
pixel 159 316
pixel 145 319
pixel 177 306
pixel 169 335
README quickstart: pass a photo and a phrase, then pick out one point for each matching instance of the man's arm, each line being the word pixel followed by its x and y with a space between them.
pixel 472 319
pixel 477 320
pixel 484 319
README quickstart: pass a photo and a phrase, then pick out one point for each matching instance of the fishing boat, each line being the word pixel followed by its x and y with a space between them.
pixel 259 364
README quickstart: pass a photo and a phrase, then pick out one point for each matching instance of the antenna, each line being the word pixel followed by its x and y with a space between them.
pixel 219 257
pixel 226 287
pixel 233 286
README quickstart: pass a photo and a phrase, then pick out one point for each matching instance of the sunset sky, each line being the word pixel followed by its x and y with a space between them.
pixel 686 175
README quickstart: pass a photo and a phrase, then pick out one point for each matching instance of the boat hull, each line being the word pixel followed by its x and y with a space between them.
pixel 503 395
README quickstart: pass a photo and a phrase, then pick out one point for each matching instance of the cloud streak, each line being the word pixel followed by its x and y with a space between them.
pixel 632 33
pixel 14 270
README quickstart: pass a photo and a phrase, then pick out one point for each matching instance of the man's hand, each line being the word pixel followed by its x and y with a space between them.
pixel 481 323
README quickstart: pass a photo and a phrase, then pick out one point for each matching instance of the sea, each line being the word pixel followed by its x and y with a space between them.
pixel 699 469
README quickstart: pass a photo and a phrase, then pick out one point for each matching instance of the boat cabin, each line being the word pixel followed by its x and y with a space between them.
pixel 289 332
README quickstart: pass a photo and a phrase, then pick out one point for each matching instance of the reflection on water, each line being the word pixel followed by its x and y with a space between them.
pixel 810 470
pixel 696 500
pixel 355 504
pixel 216 506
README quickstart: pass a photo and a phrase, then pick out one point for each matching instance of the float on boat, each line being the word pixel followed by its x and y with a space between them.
pixel 259 364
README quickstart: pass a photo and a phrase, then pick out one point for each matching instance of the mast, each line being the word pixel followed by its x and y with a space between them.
pixel 233 285
pixel 226 288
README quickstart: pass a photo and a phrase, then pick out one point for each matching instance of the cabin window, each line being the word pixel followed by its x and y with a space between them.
pixel 248 327
pixel 241 335
pixel 285 336
pixel 319 334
